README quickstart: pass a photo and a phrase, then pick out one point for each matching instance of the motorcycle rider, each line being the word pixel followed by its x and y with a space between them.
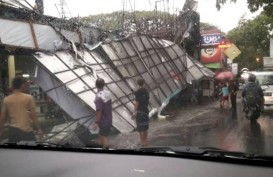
pixel 252 87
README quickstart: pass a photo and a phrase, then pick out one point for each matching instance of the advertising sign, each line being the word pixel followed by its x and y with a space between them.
pixel 271 47
pixel 211 39
pixel 234 68
pixel 211 55
pixel 268 62
pixel 229 61
pixel 232 52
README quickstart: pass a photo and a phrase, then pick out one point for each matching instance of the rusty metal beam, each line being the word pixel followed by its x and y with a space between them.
pixel 33 34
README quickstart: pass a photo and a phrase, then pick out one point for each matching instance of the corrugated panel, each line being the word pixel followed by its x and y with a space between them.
pixel 60 94
pixel 122 95
pixel 16 33
pixel 77 80
pixel 206 71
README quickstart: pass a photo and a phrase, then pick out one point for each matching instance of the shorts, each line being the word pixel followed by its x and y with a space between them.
pixel 104 131
pixel 224 98
pixel 16 135
pixel 142 121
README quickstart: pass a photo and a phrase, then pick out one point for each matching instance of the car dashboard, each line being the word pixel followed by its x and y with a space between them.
pixel 57 163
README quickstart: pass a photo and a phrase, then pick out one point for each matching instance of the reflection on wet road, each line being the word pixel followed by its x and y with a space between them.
pixel 235 133
pixel 208 126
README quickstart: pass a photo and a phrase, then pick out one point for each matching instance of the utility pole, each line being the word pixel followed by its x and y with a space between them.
pixel 39 4
pixel 123 15
pixel 168 6
pixel 156 14
pixel 64 10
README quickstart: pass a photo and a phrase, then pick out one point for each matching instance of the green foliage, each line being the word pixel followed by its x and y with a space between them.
pixel 148 22
pixel 252 38
pixel 207 26
pixel 219 3
pixel 123 20
pixel 253 5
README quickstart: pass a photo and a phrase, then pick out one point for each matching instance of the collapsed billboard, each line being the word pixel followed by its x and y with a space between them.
pixel 71 57
pixel 163 65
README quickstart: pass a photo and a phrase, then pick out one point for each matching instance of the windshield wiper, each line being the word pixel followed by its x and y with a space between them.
pixel 205 152
pixel 168 150
pixel 48 145
pixel 32 144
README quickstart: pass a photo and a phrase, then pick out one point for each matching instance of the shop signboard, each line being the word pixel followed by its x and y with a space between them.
pixel 211 39
pixel 211 55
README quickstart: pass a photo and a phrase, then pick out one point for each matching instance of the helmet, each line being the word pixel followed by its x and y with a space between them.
pixel 251 78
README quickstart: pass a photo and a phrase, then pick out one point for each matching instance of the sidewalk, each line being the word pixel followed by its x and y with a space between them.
pixel 187 118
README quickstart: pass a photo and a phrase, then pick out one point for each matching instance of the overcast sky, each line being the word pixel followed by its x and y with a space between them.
pixel 226 19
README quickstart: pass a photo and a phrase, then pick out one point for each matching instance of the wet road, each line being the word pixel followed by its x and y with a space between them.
pixel 235 133
pixel 208 126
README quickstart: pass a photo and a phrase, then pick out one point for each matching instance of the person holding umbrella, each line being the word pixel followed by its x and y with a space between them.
pixel 225 75
pixel 225 94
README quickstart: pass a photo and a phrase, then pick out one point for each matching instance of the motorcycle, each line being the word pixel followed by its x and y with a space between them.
pixel 252 112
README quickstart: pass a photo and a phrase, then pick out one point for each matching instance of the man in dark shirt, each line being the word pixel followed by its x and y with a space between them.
pixel 234 87
pixel 141 112
pixel 251 86
pixel 103 104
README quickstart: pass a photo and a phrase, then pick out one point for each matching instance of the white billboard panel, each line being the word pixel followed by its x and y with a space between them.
pixel 271 47
pixel 234 68
pixel 268 62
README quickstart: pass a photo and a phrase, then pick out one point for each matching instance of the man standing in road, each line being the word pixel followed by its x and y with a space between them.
pixel 234 87
pixel 141 112
pixel 19 109
pixel 2 96
pixel 103 104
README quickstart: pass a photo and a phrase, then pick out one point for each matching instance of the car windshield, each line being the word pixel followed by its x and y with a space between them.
pixel 130 74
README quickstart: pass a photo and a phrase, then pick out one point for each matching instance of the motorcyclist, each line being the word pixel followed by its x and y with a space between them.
pixel 251 86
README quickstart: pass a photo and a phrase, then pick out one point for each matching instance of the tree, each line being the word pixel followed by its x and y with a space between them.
pixel 207 26
pixel 253 5
pixel 252 38
pixel 121 20
pixel 140 21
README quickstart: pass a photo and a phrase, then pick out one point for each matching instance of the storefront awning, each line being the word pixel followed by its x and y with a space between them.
pixel 213 65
